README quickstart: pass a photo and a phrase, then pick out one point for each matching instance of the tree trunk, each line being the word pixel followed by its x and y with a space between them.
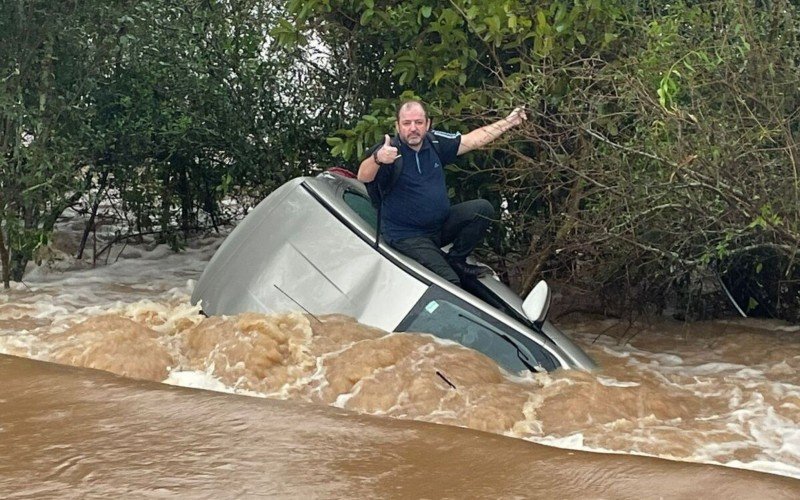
pixel 164 216
pixel 18 262
pixel 532 271
pixel 90 223
pixel 185 194
pixel 4 261
pixel 209 203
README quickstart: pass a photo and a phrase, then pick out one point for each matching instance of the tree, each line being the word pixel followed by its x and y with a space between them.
pixel 661 140
pixel 170 106
pixel 47 71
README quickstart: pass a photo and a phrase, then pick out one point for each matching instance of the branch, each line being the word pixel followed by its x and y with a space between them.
pixel 602 138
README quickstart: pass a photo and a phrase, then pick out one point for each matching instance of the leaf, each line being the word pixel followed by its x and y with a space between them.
pixel 541 21
pixel 440 73
pixel 426 11
pixel 366 16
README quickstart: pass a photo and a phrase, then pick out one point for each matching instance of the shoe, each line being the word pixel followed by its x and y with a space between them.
pixel 465 270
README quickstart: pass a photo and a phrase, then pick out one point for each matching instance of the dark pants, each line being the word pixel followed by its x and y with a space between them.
pixel 464 228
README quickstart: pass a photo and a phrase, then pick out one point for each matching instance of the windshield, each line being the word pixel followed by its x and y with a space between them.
pixel 453 319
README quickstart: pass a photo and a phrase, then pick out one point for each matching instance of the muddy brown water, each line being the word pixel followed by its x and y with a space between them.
pixel 77 433
pixel 114 385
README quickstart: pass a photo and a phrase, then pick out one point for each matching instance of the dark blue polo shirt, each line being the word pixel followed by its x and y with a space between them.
pixel 417 205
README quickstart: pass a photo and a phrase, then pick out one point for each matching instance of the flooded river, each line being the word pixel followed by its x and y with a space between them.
pixel 288 405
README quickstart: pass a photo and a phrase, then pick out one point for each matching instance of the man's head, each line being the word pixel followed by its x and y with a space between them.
pixel 412 123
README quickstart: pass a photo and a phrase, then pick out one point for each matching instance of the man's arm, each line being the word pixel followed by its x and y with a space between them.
pixel 384 155
pixel 484 135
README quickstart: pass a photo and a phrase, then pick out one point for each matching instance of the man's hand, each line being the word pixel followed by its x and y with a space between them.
pixel 387 153
pixel 517 116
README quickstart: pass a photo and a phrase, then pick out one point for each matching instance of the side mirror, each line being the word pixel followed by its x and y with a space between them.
pixel 537 303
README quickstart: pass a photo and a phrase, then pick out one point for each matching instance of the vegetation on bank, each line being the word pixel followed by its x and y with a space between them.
pixel 659 163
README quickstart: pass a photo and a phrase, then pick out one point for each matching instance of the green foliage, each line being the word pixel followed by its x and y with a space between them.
pixel 172 105
pixel 660 153
pixel 452 54
pixel 41 123
pixel 661 147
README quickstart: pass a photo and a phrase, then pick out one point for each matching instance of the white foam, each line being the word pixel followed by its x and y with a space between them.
pixel 197 380
pixel 571 442
pixel 610 382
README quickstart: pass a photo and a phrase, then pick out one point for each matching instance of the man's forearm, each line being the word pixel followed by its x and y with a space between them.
pixel 368 170
pixel 482 136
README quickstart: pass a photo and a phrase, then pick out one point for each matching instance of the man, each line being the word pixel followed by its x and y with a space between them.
pixel 416 216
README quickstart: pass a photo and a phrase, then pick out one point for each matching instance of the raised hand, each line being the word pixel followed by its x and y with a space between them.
pixel 517 116
pixel 387 153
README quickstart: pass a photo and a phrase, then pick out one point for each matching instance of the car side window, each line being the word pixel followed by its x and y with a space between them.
pixel 362 206
pixel 448 319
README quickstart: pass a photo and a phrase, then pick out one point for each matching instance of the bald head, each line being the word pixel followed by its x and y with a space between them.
pixel 408 105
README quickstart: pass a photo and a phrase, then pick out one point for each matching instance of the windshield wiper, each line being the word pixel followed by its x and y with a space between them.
pixel 520 353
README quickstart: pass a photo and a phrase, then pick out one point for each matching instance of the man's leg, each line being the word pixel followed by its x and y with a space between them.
pixel 466 226
pixel 427 252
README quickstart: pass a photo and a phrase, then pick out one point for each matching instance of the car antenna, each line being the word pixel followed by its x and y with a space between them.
pixel 298 303
pixel 378 224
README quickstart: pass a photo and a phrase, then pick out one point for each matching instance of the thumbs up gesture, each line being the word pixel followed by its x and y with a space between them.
pixel 387 153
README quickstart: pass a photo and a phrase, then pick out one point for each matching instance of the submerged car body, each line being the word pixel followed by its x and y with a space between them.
pixel 312 245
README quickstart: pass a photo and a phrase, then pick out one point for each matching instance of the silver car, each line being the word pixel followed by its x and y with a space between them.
pixel 312 245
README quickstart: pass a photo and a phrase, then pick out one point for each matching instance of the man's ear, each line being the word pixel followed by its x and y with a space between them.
pixel 397 127
pixel 430 123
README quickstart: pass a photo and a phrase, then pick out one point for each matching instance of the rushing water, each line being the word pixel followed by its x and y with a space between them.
pixel 723 392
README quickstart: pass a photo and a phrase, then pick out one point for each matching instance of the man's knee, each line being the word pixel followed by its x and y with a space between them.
pixel 425 251
pixel 484 209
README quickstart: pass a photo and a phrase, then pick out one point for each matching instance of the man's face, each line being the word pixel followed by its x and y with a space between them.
pixel 412 124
